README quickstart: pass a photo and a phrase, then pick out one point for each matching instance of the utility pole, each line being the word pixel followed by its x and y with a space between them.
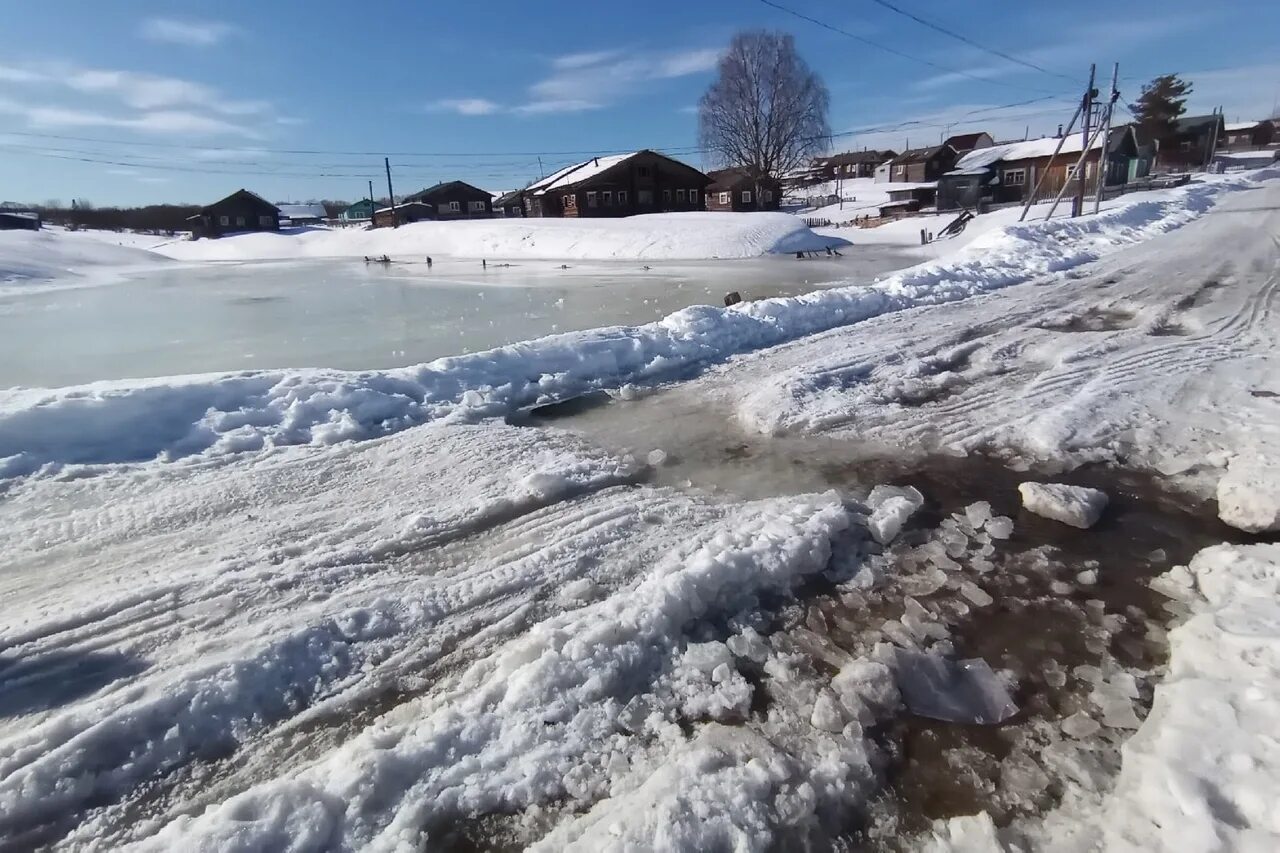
pixel 541 174
pixel 395 220
pixel 1062 137
pixel 372 205
pixel 1077 206
pixel 1213 142
pixel 1106 139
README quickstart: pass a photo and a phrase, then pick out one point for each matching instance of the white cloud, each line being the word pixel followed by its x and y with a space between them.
pixel 1245 93
pixel 148 91
pixel 582 60
pixel 168 122
pixel 548 107
pixel 189 32
pixel 466 106
pixel 607 76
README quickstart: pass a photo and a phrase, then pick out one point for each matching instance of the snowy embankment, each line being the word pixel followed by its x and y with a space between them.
pixel 129 421
pixel 41 257
pixel 658 236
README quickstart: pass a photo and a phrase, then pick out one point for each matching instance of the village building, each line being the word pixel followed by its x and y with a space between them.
pixel 1191 144
pixel 19 220
pixel 920 165
pixel 742 189
pixel 618 185
pixel 296 215
pixel 240 211
pixel 1248 135
pixel 963 143
pixel 403 214
pixel 850 164
pixel 358 213
pixel 455 200
pixel 509 204
pixel 1013 172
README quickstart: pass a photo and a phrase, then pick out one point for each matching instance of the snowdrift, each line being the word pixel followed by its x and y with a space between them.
pixel 33 257
pixel 131 421
pixel 658 236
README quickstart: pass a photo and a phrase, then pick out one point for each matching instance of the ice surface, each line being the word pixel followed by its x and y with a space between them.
pixel 1077 506
pixel 965 691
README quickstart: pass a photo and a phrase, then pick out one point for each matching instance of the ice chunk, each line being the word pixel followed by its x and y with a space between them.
pixel 974 594
pixel 965 691
pixel 1077 506
pixel 1080 725
pixel 978 514
pixel 827 715
pixel 1060 588
pixel 1000 527
pixel 705 657
pixel 880 494
pixel 1249 494
pixel 866 689
pixel 656 457
pixel 887 519
pixel 1088 578
pixel 750 645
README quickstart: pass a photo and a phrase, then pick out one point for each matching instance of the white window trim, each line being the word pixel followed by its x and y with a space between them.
pixel 224 221
pixel 239 221
pixel 1007 177
pixel 680 194
pixel 592 198
pixel 454 207
pixel 724 198
pixel 901 170
pixel 606 198
pixel 746 196
pixel 477 206
pixel 693 196
pixel 622 196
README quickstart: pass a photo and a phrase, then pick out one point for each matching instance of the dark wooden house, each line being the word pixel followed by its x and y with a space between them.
pixel 920 165
pixel 619 185
pixel 741 189
pixel 19 220
pixel 509 204
pixel 1010 172
pixel 456 200
pixel 850 164
pixel 1247 135
pixel 240 211
pixel 1190 146
pixel 403 214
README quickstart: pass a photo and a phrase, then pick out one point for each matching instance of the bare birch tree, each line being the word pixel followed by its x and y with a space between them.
pixel 766 110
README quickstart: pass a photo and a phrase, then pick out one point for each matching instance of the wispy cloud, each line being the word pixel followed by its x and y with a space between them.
pixel 578 82
pixel 190 33
pixel 146 103
pixel 466 106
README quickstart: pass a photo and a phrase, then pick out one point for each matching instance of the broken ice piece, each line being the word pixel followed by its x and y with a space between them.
pixel 1000 527
pixel 978 513
pixel 974 594
pixel 880 494
pixel 1088 578
pixel 1077 506
pixel 1080 725
pixel 827 715
pixel 887 519
pixel 656 457
pixel 965 691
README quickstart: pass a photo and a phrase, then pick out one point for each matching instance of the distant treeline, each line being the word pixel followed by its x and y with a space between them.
pixel 154 218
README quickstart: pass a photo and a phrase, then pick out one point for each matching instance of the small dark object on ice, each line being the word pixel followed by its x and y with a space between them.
pixel 732 298
pixel 429 262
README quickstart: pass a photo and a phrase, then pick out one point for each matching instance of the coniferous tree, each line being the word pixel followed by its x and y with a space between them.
pixel 1162 101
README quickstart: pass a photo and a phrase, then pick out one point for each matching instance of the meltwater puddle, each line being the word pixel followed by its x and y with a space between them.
pixel 1064 618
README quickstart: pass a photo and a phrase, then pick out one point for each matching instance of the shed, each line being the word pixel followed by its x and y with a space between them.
pixel 302 214
pixel 403 214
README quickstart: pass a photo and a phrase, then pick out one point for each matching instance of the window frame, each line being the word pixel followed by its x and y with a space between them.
pixel 476 206
pixel 745 196
pixel 693 196
pixel 766 196
pixel 593 200
pixel 726 197
pixel 680 195
pixel 266 220
pixel 1006 178
pixel 224 220
pixel 900 169
pixel 569 201
pixel 622 197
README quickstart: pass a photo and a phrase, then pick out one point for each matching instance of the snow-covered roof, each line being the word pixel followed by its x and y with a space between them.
pixel 1241 125
pixel 302 211
pixel 579 172
pixel 980 159
pixel 1263 156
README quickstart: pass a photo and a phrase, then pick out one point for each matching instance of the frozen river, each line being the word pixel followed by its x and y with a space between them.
pixel 352 315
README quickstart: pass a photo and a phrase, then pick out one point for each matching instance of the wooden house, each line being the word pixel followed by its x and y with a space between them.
pixel 1010 172
pixel 361 212
pixel 509 204
pixel 19 220
pixel 1189 147
pixel 403 214
pixel 921 165
pixel 965 142
pixel 295 215
pixel 742 189
pixel 619 185
pixel 240 211
pixel 850 164
pixel 455 200
pixel 1247 135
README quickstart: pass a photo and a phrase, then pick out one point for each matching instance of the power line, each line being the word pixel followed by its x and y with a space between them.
pixel 941 29
pixel 895 51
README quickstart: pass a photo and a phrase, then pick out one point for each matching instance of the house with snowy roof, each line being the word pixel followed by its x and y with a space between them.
pixel 1012 172
pixel 618 185
pixel 1190 144
pixel 302 214
pixel 919 165
pixel 240 211
pixel 1247 135
pixel 455 200
pixel 848 164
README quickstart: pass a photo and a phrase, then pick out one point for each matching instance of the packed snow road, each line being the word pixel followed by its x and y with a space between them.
pixel 323 611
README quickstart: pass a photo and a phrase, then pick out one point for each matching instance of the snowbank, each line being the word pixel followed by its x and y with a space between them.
pixel 1201 773
pixel 127 421
pixel 658 236
pixel 36 257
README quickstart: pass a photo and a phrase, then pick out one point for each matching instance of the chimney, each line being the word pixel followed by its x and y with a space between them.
pixel 1059 136
pixel 597 159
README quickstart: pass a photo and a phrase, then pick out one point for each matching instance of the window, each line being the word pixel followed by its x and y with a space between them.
pixel 746 196
pixel 477 206
pixel 679 195
pixel 224 221
pixel 644 196
pixel 642 171
pixel 1186 145
pixel 266 221
pixel 1015 177
pixel 622 196
pixel 767 196
pixel 591 198
pixel 570 201
pixel 240 221
pixel 1071 172
pixel 454 206
pixel 724 198
pixel 693 196
pixel 666 196
pixel 900 170
pixel 607 198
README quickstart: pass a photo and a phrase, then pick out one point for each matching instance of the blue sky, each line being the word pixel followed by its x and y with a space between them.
pixel 188 106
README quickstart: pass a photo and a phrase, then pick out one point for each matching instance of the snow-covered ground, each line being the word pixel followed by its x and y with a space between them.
pixel 658 236
pixel 315 609
pixel 52 256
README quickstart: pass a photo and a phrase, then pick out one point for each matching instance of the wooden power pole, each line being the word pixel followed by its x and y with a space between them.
pixel 1078 206
pixel 391 195
pixel 1106 139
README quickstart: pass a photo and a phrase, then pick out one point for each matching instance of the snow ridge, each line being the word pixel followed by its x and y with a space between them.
pixel 213 415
